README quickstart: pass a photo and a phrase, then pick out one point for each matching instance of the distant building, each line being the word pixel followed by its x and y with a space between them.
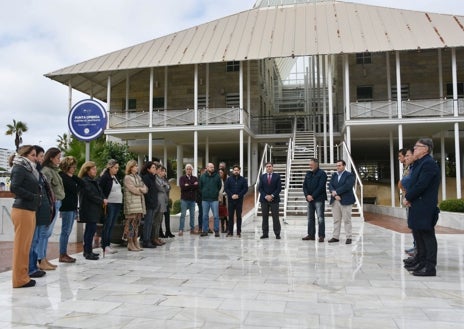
pixel 4 155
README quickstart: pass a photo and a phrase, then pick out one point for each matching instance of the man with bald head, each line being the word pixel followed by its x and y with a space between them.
pixel 210 185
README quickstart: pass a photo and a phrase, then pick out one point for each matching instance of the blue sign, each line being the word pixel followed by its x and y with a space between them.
pixel 87 120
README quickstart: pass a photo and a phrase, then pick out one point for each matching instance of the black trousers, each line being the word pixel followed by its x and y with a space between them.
pixel 426 247
pixel 274 207
pixel 235 208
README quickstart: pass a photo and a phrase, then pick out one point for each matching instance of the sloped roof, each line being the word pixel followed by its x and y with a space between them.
pixel 280 31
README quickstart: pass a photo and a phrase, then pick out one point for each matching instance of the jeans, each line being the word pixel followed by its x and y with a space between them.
pixel 43 241
pixel 113 210
pixel 40 233
pixel 184 205
pixel 214 206
pixel 89 232
pixel 318 208
pixel 67 222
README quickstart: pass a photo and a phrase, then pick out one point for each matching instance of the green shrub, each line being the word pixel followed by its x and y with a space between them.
pixel 176 207
pixel 452 205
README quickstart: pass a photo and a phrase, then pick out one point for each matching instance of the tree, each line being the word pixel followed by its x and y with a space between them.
pixel 64 141
pixel 17 129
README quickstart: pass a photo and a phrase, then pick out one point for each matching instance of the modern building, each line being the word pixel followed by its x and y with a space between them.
pixel 363 80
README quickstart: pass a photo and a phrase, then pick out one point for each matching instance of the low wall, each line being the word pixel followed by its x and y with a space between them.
pixel 447 219
pixel 7 229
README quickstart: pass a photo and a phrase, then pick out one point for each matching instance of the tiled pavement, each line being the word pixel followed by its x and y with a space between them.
pixel 194 282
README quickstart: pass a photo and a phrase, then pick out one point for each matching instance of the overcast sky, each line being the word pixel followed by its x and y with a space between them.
pixel 38 37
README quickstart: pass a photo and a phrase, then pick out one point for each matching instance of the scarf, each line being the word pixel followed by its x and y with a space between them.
pixel 26 163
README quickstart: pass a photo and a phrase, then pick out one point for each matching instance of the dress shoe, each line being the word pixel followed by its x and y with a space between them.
pixel 44 266
pixel 308 237
pixel 333 240
pixel 425 272
pixel 229 235
pixel 278 236
pixel 148 245
pixel 204 234
pixel 216 234
pixel 37 274
pixel 65 258
pixel 239 235
pixel 321 239
pixel 264 236
pixel 414 267
pixel 31 283
pixel 91 256
pixel 170 235
pixel 409 260
pixel 348 241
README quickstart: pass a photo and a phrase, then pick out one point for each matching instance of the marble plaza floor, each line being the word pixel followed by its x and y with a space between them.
pixel 209 282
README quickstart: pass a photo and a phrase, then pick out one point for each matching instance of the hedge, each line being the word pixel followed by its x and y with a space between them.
pixel 452 205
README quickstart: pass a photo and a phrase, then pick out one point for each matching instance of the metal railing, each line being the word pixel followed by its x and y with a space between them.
pixel 260 171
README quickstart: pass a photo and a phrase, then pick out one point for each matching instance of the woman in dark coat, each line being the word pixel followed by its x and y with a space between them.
pixel 25 185
pixel 151 201
pixel 91 202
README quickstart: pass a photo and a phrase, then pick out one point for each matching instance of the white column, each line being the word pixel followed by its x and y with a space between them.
pixel 195 153
pixel 440 74
pixel 324 109
pixel 398 85
pixel 241 147
pixel 150 146
pixel 392 172
pixel 108 101
pixel 166 87
pixel 346 86
pixel 240 83
pixel 329 84
pixel 248 161
pixel 400 146
pixel 254 163
pixel 165 156
pixel 150 114
pixel 387 62
pixel 206 150
pixel 195 87
pixel 443 165
pixel 248 91
pixel 457 150
pixel 180 162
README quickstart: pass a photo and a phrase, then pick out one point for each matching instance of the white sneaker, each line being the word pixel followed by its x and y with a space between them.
pixel 109 250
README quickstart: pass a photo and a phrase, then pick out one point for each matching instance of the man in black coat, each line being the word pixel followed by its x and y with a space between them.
pixel 236 187
pixel 315 192
pixel 422 199
pixel 270 186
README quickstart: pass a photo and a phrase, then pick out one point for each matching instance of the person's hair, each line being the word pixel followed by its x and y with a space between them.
pixel 188 165
pixel 38 149
pixel 236 166
pixel 427 142
pixel 269 163
pixel 130 164
pixel 402 151
pixel 222 173
pixel 315 160
pixel 411 149
pixel 342 161
pixel 67 162
pixel 110 164
pixel 23 151
pixel 51 153
pixel 147 165
pixel 84 171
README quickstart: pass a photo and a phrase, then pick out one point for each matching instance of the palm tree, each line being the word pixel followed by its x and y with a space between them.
pixel 63 142
pixel 17 129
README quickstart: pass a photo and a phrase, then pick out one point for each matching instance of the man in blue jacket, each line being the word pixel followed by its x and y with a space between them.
pixel 236 187
pixel 342 200
pixel 422 199
pixel 315 192
pixel 210 185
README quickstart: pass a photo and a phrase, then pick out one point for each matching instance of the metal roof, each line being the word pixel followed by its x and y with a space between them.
pixel 277 31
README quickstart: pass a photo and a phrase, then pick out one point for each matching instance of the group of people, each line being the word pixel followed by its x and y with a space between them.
pixel 213 191
pixel 419 195
pixel 46 186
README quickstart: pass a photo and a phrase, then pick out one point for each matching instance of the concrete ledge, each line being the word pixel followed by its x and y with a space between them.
pixel 452 220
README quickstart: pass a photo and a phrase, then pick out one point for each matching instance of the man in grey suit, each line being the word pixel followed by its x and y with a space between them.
pixel 342 200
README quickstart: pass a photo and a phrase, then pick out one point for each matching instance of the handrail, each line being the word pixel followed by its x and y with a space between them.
pixel 260 170
pixel 287 174
pixel 5 209
pixel 359 201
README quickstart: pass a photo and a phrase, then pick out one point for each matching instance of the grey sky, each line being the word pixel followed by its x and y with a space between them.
pixel 37 37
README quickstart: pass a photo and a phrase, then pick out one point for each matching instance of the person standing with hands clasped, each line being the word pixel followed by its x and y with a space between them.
pixel 270 186
pixel 315 192
pixel 342 200
pixel 236 187
pixel 188 190
pixel 422 198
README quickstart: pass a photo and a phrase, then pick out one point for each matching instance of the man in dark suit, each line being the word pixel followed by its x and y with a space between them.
pixel 342 199
pixel 269 190
pixel 422 198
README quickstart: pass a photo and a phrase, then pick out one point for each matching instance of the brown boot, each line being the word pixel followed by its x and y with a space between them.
pixel 131 246
pixel 43 265
pixel 137 244
pixel 65 258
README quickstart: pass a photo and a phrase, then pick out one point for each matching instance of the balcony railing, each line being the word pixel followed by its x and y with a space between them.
pixel 409 108
pixel 171 118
